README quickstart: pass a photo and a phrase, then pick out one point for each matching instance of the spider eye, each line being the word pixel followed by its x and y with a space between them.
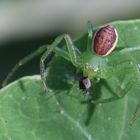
pixel 105 40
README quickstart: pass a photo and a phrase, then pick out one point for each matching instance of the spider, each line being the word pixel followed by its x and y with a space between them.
pixel 97 61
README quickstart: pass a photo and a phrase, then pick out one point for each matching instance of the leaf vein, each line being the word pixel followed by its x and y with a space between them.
pixel 124 118
pixel 77 124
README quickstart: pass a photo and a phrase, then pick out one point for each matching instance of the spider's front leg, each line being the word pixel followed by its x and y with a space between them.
pixel 72 54
pixel 133 77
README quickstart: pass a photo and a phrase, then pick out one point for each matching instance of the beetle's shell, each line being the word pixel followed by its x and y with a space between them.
pixel 105 40
pixel 85 83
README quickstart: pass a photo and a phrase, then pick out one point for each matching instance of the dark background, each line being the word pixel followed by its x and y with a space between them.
pixel 13 51
pixel 27 25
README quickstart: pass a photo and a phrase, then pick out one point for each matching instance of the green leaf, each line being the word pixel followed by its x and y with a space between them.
pixel 28 113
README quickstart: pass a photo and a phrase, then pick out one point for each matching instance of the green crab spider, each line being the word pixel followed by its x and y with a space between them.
pixel 93 62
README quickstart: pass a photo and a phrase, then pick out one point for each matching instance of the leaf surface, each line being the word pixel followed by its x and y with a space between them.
pixel 28 113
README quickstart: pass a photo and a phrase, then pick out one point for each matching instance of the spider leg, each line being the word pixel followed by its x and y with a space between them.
pixel 135 114
pixel 90 36
pixel 22 62
pixel 117 96
pixel 90 29
pixel 48 57
pixel 134 78
pixel 71 54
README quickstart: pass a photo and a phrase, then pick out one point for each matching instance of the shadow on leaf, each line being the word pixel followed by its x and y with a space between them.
pixel 57 78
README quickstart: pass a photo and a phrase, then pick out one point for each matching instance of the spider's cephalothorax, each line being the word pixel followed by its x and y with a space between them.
pixel 85 84
pixel 102 43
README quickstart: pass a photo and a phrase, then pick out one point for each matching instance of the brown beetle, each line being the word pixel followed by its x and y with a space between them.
pixel 85 84
pixel 105 40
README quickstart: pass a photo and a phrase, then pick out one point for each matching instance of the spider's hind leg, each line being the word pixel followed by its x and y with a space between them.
pixel 132 77
pixel 118 95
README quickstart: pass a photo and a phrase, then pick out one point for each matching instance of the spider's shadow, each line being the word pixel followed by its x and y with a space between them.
pixel 57 80
pixel 95 95
pixel 57 74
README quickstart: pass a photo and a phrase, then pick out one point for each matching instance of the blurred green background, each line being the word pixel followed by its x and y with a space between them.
pixel 26 25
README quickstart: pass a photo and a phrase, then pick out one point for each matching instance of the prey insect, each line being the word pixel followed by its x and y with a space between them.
pixel 97 61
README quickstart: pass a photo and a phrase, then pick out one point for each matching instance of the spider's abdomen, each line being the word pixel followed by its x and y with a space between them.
pixel 105 40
